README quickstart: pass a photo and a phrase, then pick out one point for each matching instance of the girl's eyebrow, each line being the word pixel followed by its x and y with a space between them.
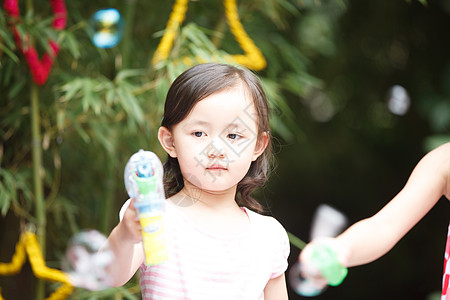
pixel 203 122
pixel 198 122
pixel 236 126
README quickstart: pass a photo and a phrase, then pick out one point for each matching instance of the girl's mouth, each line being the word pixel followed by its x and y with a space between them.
pixel 216 167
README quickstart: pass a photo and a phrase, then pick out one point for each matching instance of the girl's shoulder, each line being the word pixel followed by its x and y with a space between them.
pixel 273 238
pixel 267 224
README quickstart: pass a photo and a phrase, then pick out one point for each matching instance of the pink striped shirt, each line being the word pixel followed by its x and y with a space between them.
pixel 446 276
pixel 205 266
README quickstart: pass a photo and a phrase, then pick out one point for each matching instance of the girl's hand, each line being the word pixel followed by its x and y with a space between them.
pixel 130 227
pixel 309 268
pixel 125 241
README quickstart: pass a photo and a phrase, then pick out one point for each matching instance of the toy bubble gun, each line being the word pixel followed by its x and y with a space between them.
pixel 323 260
pixel 327 222
pixel 143 181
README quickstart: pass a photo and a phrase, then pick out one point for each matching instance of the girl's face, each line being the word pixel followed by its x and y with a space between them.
pixel 216 143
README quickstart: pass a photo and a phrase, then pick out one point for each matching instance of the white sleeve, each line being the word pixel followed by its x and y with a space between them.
pixel 282 249
pixel 123 209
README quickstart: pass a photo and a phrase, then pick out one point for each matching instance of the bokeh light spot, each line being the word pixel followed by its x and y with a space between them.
pixel 398 100
pixel 107 25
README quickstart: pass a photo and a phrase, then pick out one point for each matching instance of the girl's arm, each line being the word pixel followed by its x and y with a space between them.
pixel 125 241
pixel 371 238
pixel 276 289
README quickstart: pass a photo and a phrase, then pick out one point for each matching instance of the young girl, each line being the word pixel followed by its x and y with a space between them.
pixel 216 132
pixel 369 239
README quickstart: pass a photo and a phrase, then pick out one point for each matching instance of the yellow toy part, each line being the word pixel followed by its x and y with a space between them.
pixel 253 57
pixel 28 245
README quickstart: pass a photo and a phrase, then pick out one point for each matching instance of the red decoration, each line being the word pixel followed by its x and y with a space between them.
pixel 40 69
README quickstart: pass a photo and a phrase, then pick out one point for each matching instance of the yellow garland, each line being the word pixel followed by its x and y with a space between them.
pixel 253 57
pixel 28 244
pixel 16 263
pixel 176 18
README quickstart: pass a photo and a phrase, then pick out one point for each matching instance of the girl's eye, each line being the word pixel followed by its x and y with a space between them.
pixel 198 134
pixel 234 136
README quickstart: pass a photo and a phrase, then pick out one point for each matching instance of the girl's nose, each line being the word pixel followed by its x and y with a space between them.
pixel 216 150
pixel 216 155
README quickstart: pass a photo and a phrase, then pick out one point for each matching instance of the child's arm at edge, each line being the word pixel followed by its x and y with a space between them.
pixel 371 238
pixel 125 241
pixel 276 289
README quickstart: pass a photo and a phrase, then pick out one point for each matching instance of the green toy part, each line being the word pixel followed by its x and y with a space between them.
pixel 325 258
pixel 146 184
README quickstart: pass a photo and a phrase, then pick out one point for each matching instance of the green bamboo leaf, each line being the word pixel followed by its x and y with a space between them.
pixel 60 119
pixel 71 42
pixel 11 54
pixel 301 83
pixel 5 200
pixel 63 212
pixel 21 181
pixel 278 126
pixel 71 88
pixel 103 137
pixel 110 96
pixel 16 87
pixel 87 98
pixel 81 132
pixel 124 74
pixel 130 105
pixel 161 88
pixel 10 185
pixel 288 6
pixel 7 73
pixel 193 34
pixel 128 294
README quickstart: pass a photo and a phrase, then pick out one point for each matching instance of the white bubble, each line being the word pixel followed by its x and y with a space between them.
pixel 398 100
pixel 107 26
pixel 322 108
pixel 85 263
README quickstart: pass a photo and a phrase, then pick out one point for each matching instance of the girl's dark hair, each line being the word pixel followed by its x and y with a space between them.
pixel 194 85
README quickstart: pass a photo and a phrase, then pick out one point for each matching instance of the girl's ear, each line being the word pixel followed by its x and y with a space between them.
pixel 165 138
pixel 261 145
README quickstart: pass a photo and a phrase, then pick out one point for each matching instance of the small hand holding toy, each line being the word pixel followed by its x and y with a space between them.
pixel 143 181
pixel 322 267
pixel 325 259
